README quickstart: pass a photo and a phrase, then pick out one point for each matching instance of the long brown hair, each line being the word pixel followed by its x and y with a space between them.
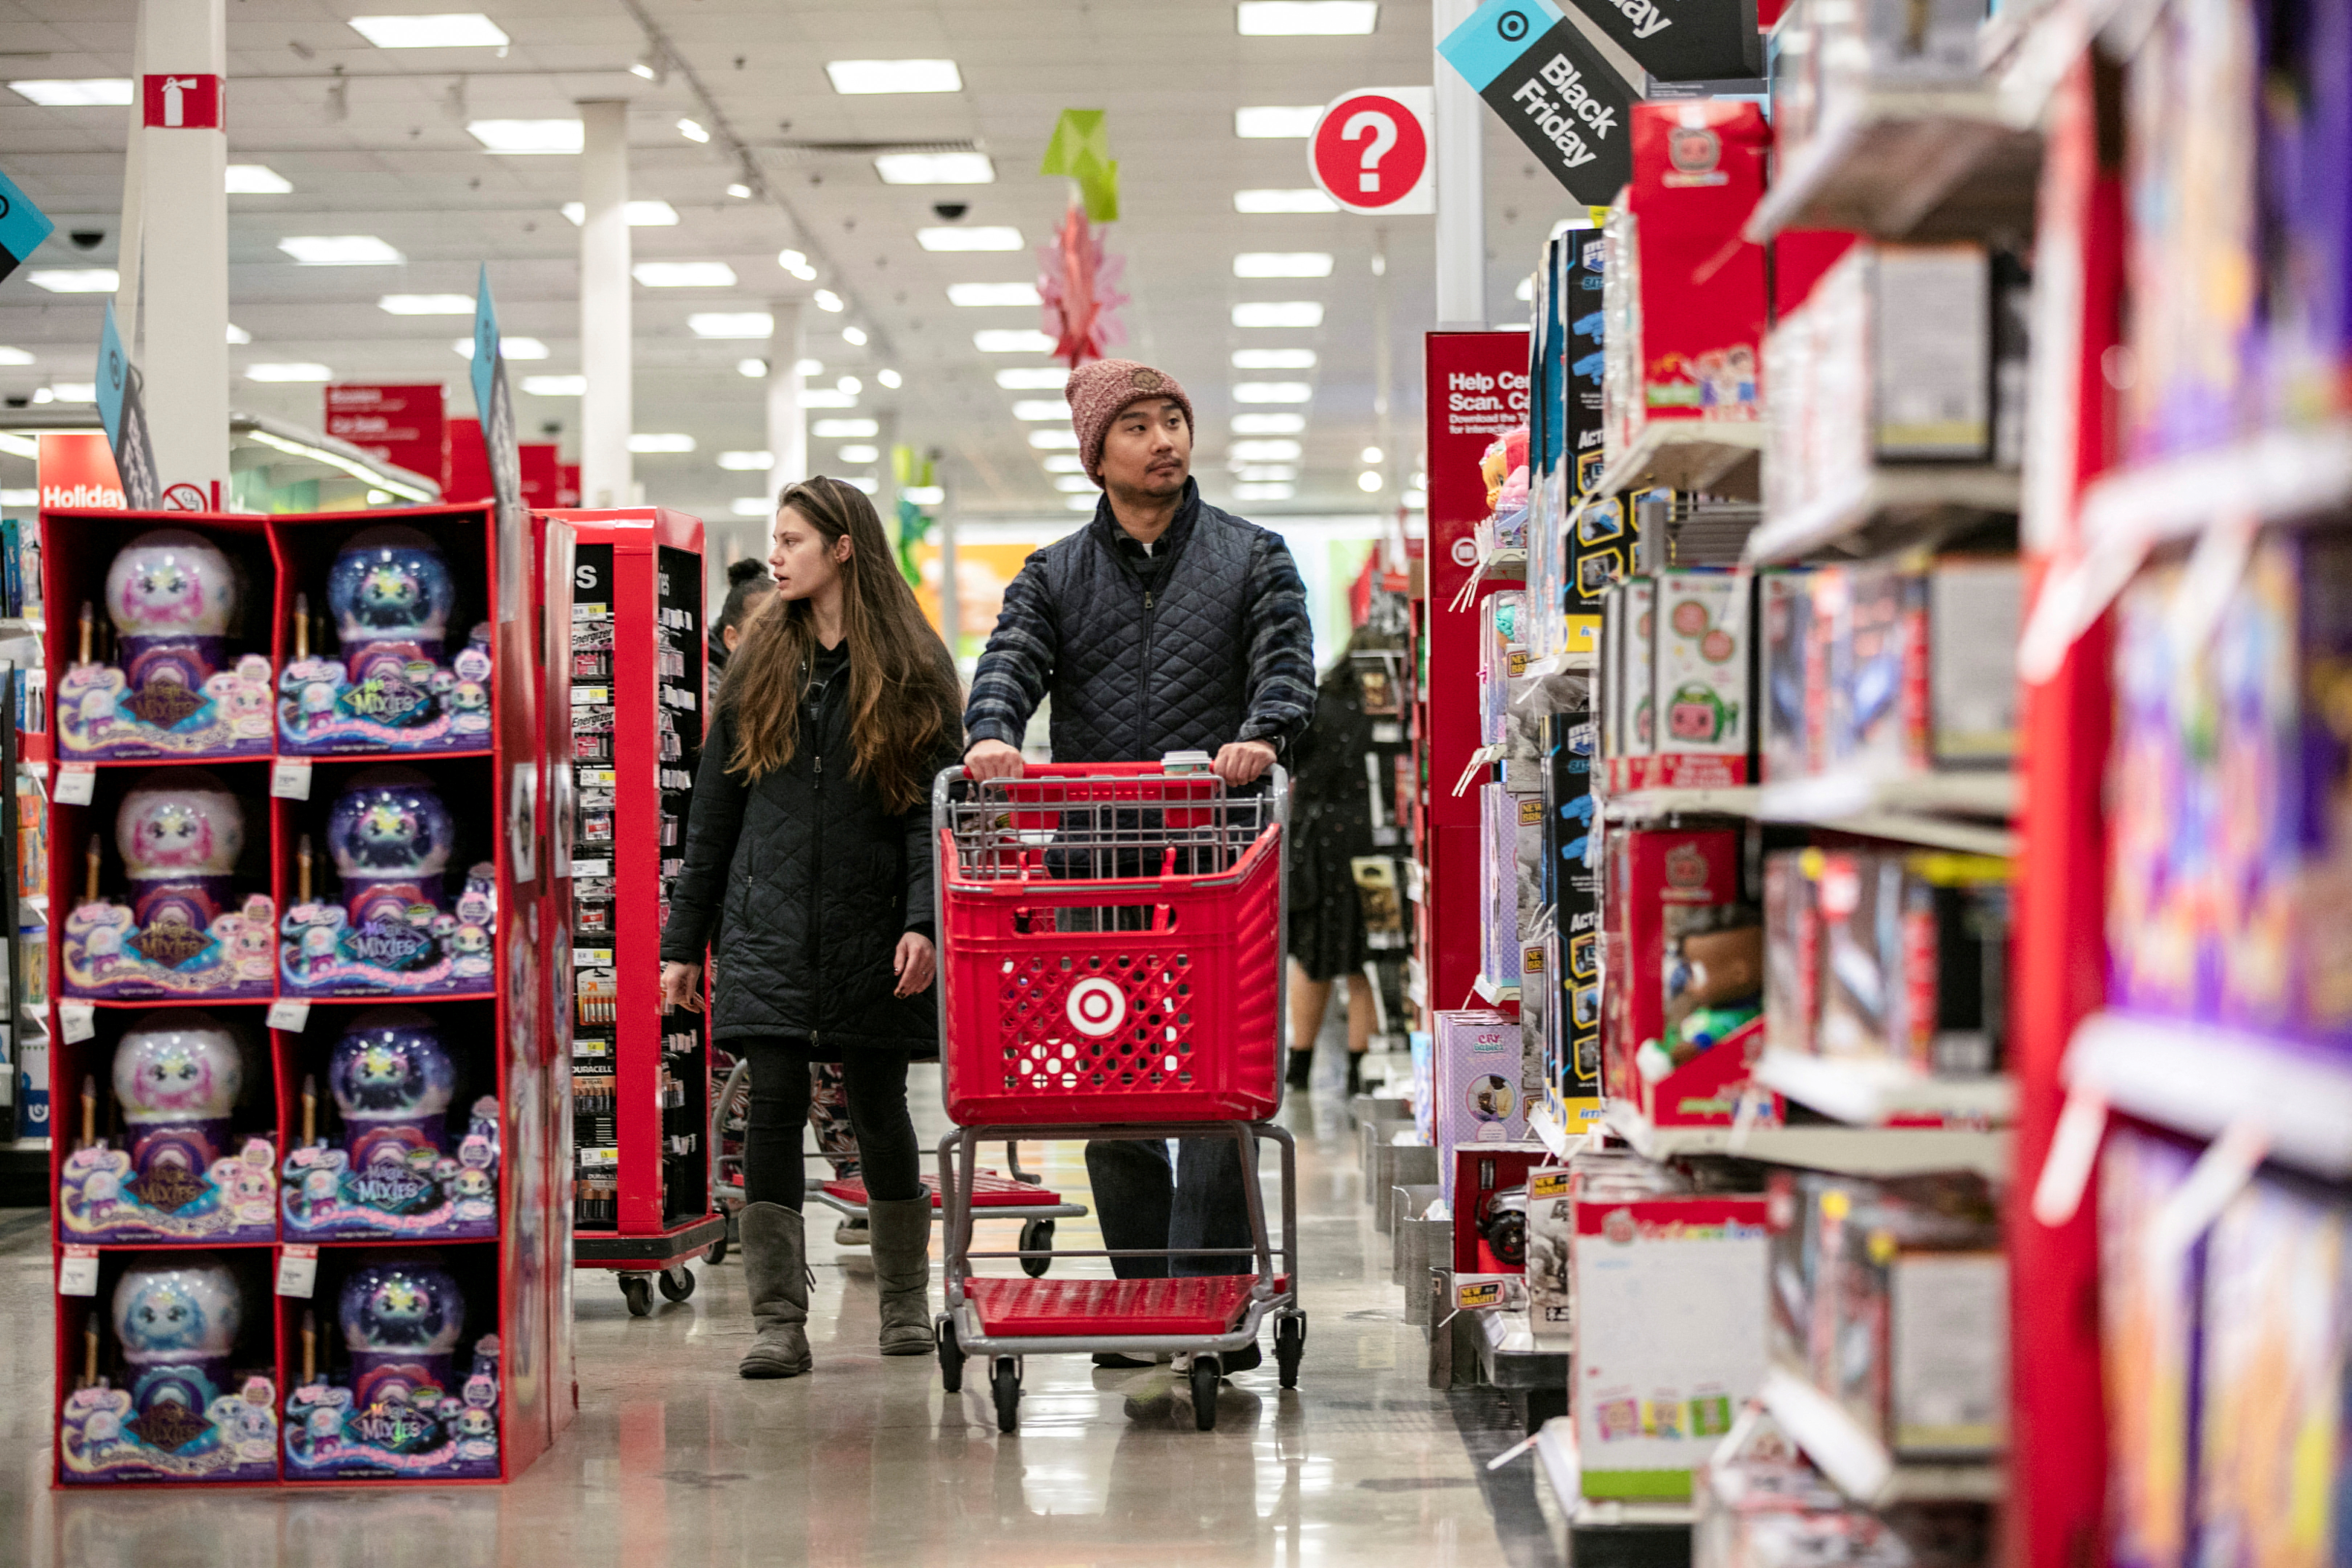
pixel 902 688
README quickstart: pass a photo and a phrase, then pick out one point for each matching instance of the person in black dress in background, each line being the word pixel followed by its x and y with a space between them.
pixel 1331 824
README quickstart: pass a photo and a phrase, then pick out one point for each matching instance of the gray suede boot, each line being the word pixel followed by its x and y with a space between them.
pixel 775 1268
pixel 902 1269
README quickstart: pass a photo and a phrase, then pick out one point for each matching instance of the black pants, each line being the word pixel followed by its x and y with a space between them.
pixel 877 1085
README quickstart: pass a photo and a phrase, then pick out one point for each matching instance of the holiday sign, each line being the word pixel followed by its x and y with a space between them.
pixel 1372 150
pixel 1553 89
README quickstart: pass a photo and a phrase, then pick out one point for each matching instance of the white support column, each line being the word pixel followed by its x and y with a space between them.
pixel 951 601
pixel 1460 185
pixel 183 232
pixel 607 409
pixel 886 437
pixel 787 420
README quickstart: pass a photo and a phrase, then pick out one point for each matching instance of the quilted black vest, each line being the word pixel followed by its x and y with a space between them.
pixel 1141 675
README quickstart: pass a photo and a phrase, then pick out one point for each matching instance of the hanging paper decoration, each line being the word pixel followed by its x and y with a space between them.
pixel 1080 285
pixel 914 524
pixel 1080 149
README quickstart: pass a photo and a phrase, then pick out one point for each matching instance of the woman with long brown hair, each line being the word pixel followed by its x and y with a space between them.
pixel 810 834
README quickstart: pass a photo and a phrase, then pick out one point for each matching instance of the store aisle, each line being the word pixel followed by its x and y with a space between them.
pixel 675 1463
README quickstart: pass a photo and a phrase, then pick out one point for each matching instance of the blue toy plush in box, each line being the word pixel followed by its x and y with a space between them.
pixel 392 685
pixel 394 931
pixel 186 1415
pixel 395 1172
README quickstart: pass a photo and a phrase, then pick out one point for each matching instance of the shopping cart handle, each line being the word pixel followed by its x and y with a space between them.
pixel 1098 770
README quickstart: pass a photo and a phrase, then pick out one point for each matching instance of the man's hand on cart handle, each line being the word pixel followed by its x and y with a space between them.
pixel 1241 761
pixel 679 984
pixel 917 962
pixel 993 760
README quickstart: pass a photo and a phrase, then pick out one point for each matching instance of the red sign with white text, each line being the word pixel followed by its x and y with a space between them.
pixel 182 100
pixel 76 472
pixel 403 425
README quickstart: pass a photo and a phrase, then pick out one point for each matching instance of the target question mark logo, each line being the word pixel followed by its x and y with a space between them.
pixel 1095 1006
pixel 1381 129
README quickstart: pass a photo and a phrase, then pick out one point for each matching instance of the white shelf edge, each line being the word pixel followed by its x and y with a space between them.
pixel 1550 1133
pixel 1657 435
pixel 1856 1463
pixel 2200 1078
pixel 2276 476
pixel 1493 994
pixel 1865 1092
pixel 1847 1151
pixel 1796 182
pixel 1882 488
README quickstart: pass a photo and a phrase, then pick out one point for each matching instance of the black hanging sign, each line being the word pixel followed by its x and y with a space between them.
pixel 1553 89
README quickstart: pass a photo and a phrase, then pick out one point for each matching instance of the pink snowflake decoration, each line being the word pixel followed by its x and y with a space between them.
pixel 1080 285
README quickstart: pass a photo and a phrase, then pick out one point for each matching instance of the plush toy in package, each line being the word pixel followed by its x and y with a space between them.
pixel 1702 700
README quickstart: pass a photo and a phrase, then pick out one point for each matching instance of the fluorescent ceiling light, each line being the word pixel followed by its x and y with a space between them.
pixel 888 378
pixel 825 300
pixel 982 238
pixel 256 180
pixel 1415 500
pixel 854 336
pixel 1272 392
pixel 850 385
pixel 1032 378
pixel 426 304
pixel 300 372
pixel 91 92
pixel 76 280
pixel 826 397
pixel 1309 200
pixel 237 335
pixel 859 452
pixel 1270 424
pixel 1041 409
pixel 1013 340
pixel 661 443
pixel 935 169
pixel 1266 473
pixel 1264 492
pixel 866 482
pixel 509 348
pixel 809 367
pixel 1305 18
pixel 87 391
pixel 1526 292
pixel 692 130
pixel 1074 484
pixel 894 75
pixel 683 274
pixel 844 429
pixel 1265 451
pixel 752 369
pixel 739 191
pixel 461 30
pixel 341 250
pixel 1083 503
pixel 992 294
pixel 731 323
pixel 797 264
pixel 641 215
pixel 556 385
pixel 750 506
pixel 1279 313
pixel 924 495
pixel 523 136
pixel 1369 481
pixel 1064 463
pixel 1274 359
pixel 20 498
pixel 1283 264
pixel 746 462
pixel 15 356
pixel 1052 440
pixel 1268 121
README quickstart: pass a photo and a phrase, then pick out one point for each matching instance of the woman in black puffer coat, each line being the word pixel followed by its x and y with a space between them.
pixel 808 851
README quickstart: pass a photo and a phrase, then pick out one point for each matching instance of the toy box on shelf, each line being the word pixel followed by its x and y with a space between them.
pixel 240 1103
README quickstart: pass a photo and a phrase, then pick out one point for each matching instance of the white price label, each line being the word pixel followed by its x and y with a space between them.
pixel 298 1271
pixel 291 779
pixel 75 781
pixel 78 1272
pixel 291 1014
pixel 592 867
pixel 79 1020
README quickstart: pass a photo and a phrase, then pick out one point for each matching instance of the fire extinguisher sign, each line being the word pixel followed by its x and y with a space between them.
pixel 182 100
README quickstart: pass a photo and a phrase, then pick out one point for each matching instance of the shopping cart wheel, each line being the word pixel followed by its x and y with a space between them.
pixel 639 1291
pixel 1036 1236
pixel 951 1357
pixel 677 1283
pixel 1007 1382
pixel 1289 1348
pixel 1205 1375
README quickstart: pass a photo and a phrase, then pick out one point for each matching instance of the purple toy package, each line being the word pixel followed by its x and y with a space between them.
pixel 184 930
pixel 180 1171
pixel 393 684
pixel 173 687
pixel 400 1408
pixel 394 931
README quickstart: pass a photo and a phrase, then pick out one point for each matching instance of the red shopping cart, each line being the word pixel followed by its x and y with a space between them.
pixel 1110 940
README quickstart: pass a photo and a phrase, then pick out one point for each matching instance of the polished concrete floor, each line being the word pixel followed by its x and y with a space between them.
pixel 675 1462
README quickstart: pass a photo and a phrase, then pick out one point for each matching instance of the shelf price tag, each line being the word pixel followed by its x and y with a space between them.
pixel 297 1270
pixel 291 1014
pixel 77 1020
pixel 75 783
pixel 78 1272
pixel 290 779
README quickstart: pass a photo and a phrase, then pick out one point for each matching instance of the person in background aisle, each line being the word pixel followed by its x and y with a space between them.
pixel 1164 625
pixel 1330 826
pixel 748 587
pixel 810 831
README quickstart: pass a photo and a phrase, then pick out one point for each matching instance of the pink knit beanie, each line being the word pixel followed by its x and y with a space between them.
pixel 1100 391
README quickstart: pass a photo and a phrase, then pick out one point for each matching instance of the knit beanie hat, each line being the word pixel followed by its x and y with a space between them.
pixel 1100 393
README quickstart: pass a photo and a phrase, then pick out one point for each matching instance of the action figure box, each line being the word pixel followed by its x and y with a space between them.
pixel 1693 950
pixel 1473 1086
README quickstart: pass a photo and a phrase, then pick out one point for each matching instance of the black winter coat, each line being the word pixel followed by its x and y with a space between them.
pixel 806 882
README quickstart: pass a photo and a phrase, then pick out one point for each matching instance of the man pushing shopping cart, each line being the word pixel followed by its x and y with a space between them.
pixel 1165 625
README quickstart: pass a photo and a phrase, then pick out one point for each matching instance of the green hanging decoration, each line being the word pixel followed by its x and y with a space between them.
pixel 1080 150
pixel 914 524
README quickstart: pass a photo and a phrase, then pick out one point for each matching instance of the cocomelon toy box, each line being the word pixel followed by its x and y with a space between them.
pixel 396 930
pixel 396 1169
pixel 392 681
pixel 398 1407
pixel 191 920
pixel 182 1169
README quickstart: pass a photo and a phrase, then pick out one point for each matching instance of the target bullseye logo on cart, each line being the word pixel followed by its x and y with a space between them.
pixel 1096 1006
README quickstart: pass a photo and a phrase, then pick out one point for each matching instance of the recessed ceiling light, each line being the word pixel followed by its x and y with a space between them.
pixel 889 378
pixel 1279 313
pixel 1274 359
pixel 1272 392
pixel 850 385
pixel 692 130
pixel 854 336
pixel 661 443
pixel 91 92
pixel 1266 473
pixel 1032 378
pixel 1268 121
pixel 1041 409
pixel 752 369
pixel 826 397
pixel 426 304
pixel 1013 340
pixel 641 215
pixel 15 356
pixel 731 323
pixel 739 191
pixel 809 367
pixel 751 506
pixel 1309 200
pixel 1283 264
pixel 1305 18
pixel 302 371
pixel 894 75
pixel 1074 484
pixel 935 169
pixel 797 264
pixel 745 462
pixel 521 136
pixel 1263 492
pixel 256 180
pixel 683 274
pixel 828 300
pixel 1265 451
pixel 1369 481
pixel 463 30
pixel 1374 454
pixel 1268 423
pixel 844 429
pixel 992 294
pixel 1064 463
pixel 76 280
pixel 982 238
pixel 237 334
pixel 860 453
pixel 556 385
pixel 509 348
pixel 1052 441
pixel 1083 503
pixel 341 250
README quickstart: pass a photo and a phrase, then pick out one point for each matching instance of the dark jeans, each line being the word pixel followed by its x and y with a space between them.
pixel 876 1086
pixel 1143 1203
